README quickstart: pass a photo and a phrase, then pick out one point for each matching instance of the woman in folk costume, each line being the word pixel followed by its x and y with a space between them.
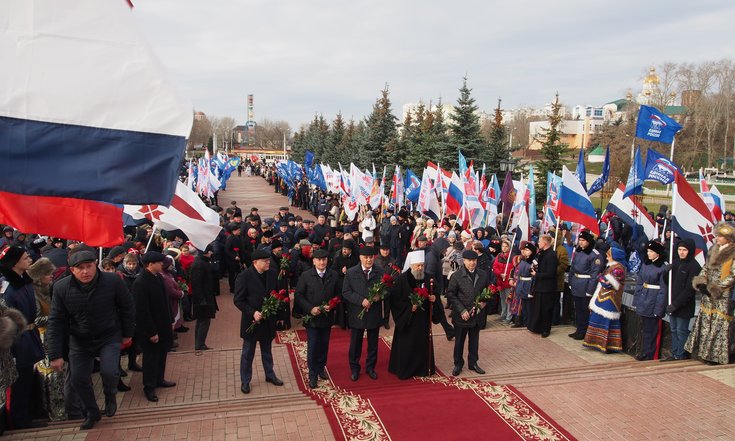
pixel 712 336
pixel 603 331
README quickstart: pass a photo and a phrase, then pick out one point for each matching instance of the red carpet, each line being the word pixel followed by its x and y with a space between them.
pixel 437 407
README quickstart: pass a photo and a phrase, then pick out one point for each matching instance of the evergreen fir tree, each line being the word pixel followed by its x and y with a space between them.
pixel 439 141
pixel 498 148
pixel 552 150
pixel 331 154
pixel 465 126
pixel 381 136
pixel 298 147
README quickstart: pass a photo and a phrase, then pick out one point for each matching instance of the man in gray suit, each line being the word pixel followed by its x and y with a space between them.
pixel 355 290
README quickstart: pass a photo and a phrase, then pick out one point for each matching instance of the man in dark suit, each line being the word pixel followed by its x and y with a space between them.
pixel 355 290
pixel 252 286
pixel 153 323
pixel 316 286
pixel 234 249
pixel 544 273
pixel 203 293
pixel 464 286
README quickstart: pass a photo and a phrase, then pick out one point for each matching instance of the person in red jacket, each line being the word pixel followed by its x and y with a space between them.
pixel 503 271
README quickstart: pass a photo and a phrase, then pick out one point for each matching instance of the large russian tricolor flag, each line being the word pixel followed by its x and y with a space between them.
pixel 574 204
pixel 88 121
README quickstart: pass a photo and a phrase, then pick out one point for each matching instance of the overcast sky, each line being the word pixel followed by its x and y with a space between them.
pixel 304 57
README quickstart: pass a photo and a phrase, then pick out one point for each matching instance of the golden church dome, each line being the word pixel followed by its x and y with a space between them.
pixel 652 78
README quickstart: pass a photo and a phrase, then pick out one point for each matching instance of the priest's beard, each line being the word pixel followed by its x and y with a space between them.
pixel 417 274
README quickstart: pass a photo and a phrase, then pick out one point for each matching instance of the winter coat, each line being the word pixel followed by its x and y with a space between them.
pixel 718 272
pixel 251 289
pixel 586 266
pixel 682 273
pixel 524 282
pixel 105 312
pixel 648 301
pixel 152 309
pixel 500 268
pixel 312 291
pixel 461 294
pixel 545 280
pixel 562 267
pixel 355 289
pixel 203 283
pixel 18 294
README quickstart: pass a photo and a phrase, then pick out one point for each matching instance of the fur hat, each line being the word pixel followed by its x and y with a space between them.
pixel 42 267
pixel 588 236
pixel 725 230
pixel 658 248
pixel 10 256
pixel 12 323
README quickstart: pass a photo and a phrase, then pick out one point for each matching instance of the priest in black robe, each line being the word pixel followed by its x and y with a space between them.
pixel 412 352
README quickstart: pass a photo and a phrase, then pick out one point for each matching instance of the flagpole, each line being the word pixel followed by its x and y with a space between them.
pixel 153 232
pixel 510 254
pixel 556 237
pixel 671 242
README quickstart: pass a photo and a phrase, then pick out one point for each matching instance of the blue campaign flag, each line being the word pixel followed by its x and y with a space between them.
pixel 581 172
pixel 635 177
pixel 316 177
pixel 412 185
pixel 308 159
pixel 659 168
pixel 655 125
pixel 602 179
pixel 462 164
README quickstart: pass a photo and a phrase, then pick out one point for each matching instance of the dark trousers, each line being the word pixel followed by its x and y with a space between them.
pixel 461 334
pixel 525 311
pixel 72 404
pixel 21 395
pixel 233 269
pixel 581 314
pixel 186 306
pixel 556 313
pixel 356 349
pixel 439 312
pixel 543 307
pixel 317 349
pixel 201 329
pixel 81 364
pixel 154 364
pixel 248 355
pixel 649 332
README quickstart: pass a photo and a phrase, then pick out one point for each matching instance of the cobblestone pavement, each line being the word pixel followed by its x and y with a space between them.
pixel 592 395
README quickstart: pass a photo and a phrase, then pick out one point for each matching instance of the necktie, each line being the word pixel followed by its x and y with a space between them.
pixel 367 273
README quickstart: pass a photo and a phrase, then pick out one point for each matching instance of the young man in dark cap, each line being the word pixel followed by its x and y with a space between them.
pixel 355 290
pixel 95 313
pixel 252 287
pixel 234 249
pixel 153 323
pixel 316 286
pixel 464 286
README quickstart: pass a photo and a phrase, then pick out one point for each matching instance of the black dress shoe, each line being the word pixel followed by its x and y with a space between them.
pixel 151 396
pixel 135 367
pixel 122 387
pixel 181 329
pixel 640 357
pixel 372 374
pixel 313 383
pixel 165 383
pixel 573 335
pixel 274 381
pixel 89 422
pixel 579 337
pixel 323 375
pixel 516 325
pixel 202 348
pixel 477 369
pixel 546 334
pixel 669 358
pixel 245 388
pixel 354 376
pixel 110 406
pixel 386 325
pixel 456 370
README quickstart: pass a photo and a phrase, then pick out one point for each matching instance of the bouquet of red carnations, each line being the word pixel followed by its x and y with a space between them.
pixel 418 297
pixel 271 305
pixel 285 264
pixel 485 295
pixel 377 292
pixel 324 307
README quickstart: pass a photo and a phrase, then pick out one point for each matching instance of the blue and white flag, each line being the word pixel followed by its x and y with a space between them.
pixel 581 172
pixel 308 159
pixel 654 125
pixel 602 179
pixel 659 168
pixel 635 176
pixel 412 185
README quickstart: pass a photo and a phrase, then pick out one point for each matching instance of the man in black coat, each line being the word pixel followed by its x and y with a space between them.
pixel 681 307
pixel 233 252
pixel 355 290
pixel 544 273
pixel 464 287
pixel 252 287
pixel 203 292
pixel 95 312
pixel 315 287
pixel 153 323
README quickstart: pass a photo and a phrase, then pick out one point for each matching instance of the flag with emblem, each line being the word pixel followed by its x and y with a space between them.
pixel 186 213
pixel 691 219
pixel 632 212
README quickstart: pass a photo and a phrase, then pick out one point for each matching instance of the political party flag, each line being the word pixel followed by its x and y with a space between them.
pixel 428 203
pixel 635 176
pixel 308 158
pixel 186 212
pixel 574 204
pixel 507 195
pixel 462 163
pixel 412 185
pixel 581 172
pixel 602 179
pixel 632 212
pixel 396 195
pixel 691 217
pixel 654 125
pixel 659 168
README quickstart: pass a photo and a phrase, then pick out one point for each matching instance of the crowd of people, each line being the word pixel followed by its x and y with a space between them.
pixel 68 310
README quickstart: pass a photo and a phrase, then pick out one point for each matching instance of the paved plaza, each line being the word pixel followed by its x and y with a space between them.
pixel 592 395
